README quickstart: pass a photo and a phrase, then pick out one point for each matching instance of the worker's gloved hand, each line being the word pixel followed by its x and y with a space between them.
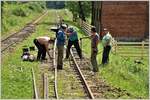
pixel 95 50
pixel 51 58
pixel 52 41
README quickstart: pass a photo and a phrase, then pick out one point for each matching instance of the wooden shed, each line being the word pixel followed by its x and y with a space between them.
pixel 126 20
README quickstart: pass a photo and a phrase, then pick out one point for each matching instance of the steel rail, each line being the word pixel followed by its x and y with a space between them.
pixel 11 35
pixel 34 85
pixel 45 80
pixel 55 67
pixel 91 96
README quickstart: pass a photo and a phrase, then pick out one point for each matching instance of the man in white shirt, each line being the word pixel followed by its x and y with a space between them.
pixel 106 46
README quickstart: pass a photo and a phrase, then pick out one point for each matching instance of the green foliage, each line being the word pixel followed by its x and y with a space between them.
pixel 16 14
pixel 87 7
pixel 19 12
pixel 37 6
pixel 127 75
pixel 73 6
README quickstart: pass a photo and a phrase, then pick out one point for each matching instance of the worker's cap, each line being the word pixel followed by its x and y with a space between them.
pixel 64 26
pixel 70 29
pixel 93 29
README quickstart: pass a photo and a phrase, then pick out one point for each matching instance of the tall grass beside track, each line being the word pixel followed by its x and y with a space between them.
pixel 16 15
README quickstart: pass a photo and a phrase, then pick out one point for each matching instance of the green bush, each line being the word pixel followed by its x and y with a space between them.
pixel 20 12
pixel 4 28
pixel 16 14
pixel 34 6
pixel 13 22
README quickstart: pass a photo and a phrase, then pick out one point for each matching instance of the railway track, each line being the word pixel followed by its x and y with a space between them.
pixel 73 82
pixel 80 74
pixel 51 84
pixel 10 41
pixel 51 79
pixel 70 84
pixel 91 86
pixel 96 86
pixel 49 88
pixel 69 77
pixel 47 77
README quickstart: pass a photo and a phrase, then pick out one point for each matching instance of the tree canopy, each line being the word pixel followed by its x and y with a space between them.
pixel 79 8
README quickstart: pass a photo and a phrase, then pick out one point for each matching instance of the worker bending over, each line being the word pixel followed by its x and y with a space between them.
pixel 42 43
pixel 73 40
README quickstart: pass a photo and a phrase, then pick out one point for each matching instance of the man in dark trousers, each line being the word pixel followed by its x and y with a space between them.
pixel 73 40
pixel 107 46
pixel 94 48
pixel 60 45
pixel 42 44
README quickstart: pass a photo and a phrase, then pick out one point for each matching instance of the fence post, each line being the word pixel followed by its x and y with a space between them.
pixel 116 47
pixel 142 49
pixel 81 47
pixel 81 23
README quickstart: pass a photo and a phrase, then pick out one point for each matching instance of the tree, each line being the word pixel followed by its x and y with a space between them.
pixel 80 9
pixel 96 15
pixel 73 7
pixel 93 13
pixel 81 13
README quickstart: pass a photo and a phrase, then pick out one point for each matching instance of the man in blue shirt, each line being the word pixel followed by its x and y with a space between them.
pixel 73 40
pixel 60 45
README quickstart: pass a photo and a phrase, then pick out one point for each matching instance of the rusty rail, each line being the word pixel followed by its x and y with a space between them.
pixel 55 67
pixel 45 77
pixel 37 20
pixel 34 85
pixel 91 96
pixel 13 35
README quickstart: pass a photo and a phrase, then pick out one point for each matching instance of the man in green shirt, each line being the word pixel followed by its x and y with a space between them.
pixel 73 40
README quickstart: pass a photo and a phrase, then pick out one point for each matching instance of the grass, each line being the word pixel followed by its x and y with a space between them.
pixel 16 16
pixel 17 83
pixel 16 75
